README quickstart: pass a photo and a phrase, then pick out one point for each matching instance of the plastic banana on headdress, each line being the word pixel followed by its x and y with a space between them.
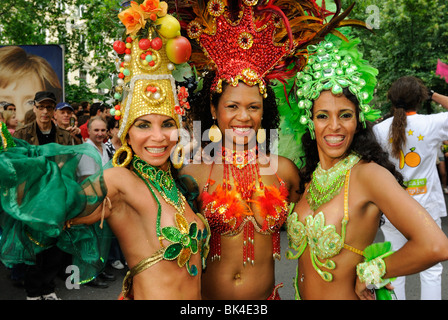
pixel 150 50
pixel 256 41
pixel 335 66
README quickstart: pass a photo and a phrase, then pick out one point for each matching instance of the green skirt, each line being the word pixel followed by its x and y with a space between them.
pixel 39 192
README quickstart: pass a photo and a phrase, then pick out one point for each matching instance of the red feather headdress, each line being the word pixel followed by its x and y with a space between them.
pixel 256 40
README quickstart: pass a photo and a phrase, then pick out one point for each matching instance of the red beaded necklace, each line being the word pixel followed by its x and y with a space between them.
pixel 245 171
pixel 225 205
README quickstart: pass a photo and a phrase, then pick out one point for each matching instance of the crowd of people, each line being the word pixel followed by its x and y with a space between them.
pixel 58 123
pixel 211 230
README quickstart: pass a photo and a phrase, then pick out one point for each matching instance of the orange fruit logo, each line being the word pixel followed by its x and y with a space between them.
pixel 412 159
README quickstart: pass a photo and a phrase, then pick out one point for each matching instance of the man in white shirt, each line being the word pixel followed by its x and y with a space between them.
pixel 97 129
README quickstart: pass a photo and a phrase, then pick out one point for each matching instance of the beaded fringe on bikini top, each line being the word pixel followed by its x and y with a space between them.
pixel 325 184
pixel 228 210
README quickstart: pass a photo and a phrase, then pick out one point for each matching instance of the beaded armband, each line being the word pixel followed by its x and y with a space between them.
pixel 372 270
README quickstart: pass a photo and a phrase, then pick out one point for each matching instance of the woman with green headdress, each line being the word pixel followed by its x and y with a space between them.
pixel 347 183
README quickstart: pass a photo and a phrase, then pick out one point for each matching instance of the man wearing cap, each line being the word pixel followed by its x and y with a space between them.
pixel 62 115
pixel 8 106
pixel 39 278
pixel 43 130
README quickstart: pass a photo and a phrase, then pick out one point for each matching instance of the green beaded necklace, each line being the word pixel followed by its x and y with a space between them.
pixel 162 181
pixel 325 184
pixel 184 237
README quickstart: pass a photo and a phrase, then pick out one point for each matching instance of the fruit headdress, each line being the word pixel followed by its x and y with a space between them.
pixel 149 51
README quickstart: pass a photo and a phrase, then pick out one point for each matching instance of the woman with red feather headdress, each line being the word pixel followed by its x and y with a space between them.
pixel 245 192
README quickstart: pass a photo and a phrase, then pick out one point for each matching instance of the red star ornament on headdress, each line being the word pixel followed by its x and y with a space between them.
pixel 242 50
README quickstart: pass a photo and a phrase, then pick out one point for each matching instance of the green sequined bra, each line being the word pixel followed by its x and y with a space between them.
pixel 323 240
pixel 186 239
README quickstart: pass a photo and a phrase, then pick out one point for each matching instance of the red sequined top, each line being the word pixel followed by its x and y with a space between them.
pixel 228 215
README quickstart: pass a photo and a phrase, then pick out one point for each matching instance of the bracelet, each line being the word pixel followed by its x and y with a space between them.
pixel 372 271
pixel 430 93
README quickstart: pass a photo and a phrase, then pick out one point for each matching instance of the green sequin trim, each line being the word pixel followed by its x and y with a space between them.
pixel 161 180
pixel 325 184
pixel 184 240
pixel 6 140
pixel 334 68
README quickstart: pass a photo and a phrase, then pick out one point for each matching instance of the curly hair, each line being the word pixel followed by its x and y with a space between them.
pixel 406 94
pixel 200 109
pixel 364 144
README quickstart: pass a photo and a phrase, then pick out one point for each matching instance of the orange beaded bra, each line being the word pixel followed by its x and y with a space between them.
pixel 228 212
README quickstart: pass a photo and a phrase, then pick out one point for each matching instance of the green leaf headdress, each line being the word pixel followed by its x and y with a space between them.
pixel 335 66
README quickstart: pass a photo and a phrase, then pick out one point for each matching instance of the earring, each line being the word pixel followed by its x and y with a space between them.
pixel 117 155
pixel 176 159
pixel 214 134
pixel 261 135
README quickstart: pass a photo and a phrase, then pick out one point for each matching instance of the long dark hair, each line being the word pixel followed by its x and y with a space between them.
pixel 405 94
pixel 200 109
pixel 364 144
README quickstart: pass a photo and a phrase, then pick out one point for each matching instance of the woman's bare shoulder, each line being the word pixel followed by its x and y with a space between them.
pixel 371 172
pixel 118 178
pixel 193 168
pixel 287 169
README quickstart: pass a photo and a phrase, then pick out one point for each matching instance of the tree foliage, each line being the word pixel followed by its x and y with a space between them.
pixel 86 29
pixel 410 37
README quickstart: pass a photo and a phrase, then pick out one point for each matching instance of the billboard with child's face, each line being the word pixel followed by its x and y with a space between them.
pixel 25 70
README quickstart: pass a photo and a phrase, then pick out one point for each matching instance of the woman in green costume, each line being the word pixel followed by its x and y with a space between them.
pixel 162 239
pixel 164 242
pixel 347 183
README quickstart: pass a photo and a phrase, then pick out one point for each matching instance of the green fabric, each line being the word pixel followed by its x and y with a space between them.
pixel 39 192
pixel 6 140
pixel 190 189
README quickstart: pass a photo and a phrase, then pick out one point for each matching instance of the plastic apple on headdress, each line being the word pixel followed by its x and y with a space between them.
pixel 178 49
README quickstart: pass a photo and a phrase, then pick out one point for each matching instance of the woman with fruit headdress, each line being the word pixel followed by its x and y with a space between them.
pixel 347 183
pixel 245 47
pixel 413 141
pixel 164 242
